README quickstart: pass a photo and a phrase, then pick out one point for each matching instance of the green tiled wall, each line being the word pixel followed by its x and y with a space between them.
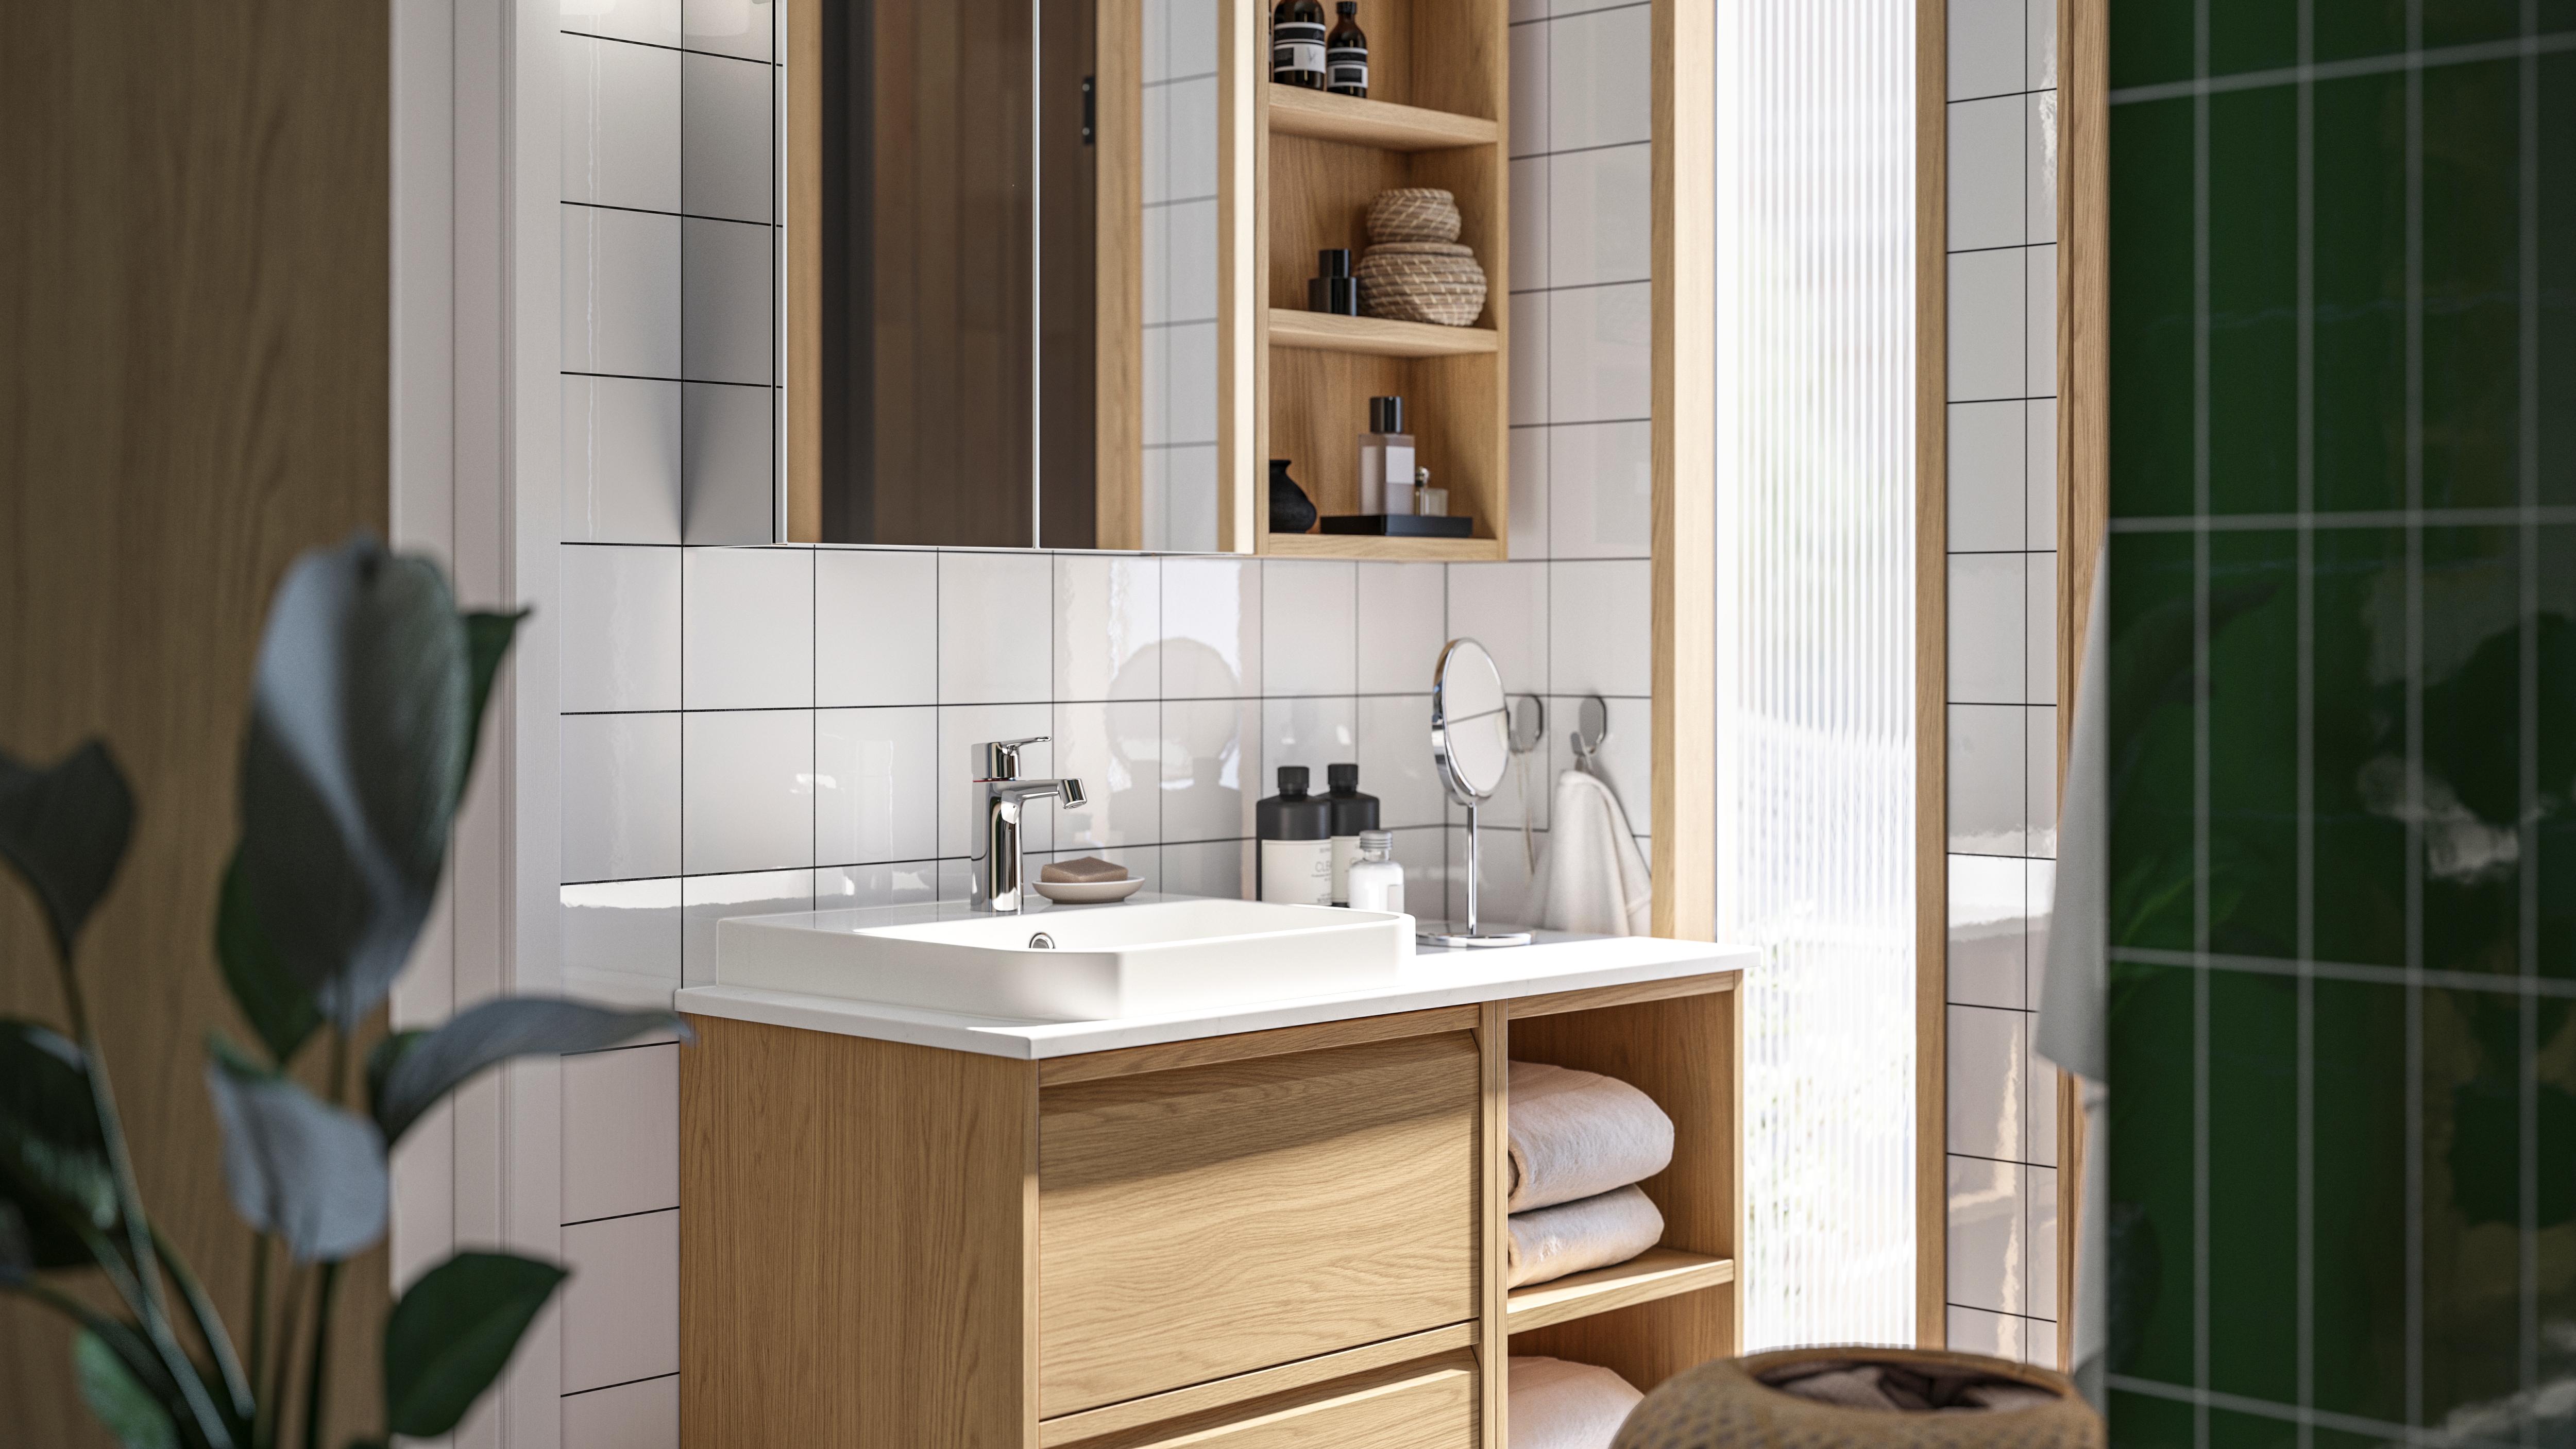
pixel 2343 722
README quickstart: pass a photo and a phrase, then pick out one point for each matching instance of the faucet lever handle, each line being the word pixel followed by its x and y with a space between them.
pixel 1001 758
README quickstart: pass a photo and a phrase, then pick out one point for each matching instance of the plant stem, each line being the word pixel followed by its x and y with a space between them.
pixel 313 1386
pixel 210 1327
pixel 272 1407
pixel 154 1308
pixel 258 1316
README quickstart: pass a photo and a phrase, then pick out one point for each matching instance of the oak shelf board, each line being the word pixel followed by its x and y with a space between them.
pixel 1373 546
pixel 1352 120
pixel 1655 1273
pixel 1377 336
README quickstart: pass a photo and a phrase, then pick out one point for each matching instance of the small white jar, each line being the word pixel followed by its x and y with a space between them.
pixel 1377 882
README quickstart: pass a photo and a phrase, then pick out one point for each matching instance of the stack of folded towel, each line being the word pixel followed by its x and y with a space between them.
pixel 1580 1142
pixel 1560 1405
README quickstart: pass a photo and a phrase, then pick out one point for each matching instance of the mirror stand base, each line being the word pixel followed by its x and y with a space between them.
pixel 1480 938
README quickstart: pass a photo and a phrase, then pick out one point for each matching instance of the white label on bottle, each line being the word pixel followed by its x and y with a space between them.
pixel 1347 66
pixel 1297 872
pixel 1346 850
pixel 1296 46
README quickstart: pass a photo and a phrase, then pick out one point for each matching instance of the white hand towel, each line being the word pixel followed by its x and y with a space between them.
pixel 1578 1236
pixel 1560 1405
pixel 1592 878
pixel 1579 1134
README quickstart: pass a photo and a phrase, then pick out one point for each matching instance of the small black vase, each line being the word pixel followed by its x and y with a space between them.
pixel 1291 511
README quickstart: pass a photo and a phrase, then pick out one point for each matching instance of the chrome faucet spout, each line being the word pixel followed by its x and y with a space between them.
pixel 994 871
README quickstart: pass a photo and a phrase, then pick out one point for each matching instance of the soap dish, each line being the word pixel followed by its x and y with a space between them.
pixel 1088 892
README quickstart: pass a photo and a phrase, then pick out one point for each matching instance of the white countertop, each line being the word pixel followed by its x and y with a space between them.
pixel 1553 962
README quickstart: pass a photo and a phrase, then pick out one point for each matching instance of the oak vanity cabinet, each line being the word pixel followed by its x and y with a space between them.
pixel 1280 1238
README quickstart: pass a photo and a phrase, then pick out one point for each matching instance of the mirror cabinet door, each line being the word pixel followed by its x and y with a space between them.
pixel 1001 303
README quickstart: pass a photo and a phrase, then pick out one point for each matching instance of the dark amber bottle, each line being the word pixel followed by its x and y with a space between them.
pixel 1346 53
pixel 1297 43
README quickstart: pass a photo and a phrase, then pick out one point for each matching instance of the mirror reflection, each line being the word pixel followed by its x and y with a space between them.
pixel 1012 270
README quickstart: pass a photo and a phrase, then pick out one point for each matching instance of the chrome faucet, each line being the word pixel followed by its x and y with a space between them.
pixel 995 865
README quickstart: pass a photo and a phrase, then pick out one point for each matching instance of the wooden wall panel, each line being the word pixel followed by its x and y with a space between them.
pixel 193 362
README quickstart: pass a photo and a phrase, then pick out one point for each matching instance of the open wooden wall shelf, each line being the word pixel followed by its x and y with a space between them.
pixel 1298 177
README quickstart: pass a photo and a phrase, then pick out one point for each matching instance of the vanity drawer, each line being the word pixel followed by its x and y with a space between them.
pixel 1430 1404
pixel 1210 1221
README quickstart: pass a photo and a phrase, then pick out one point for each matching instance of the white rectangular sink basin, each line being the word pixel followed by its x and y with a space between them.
pixel 1141 957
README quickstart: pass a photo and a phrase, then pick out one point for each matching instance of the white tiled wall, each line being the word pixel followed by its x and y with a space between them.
pixel 2002 672
pixel 750 727
pixel 1180 263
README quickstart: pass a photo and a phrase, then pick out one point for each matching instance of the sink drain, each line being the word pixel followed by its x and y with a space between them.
pixel 1041 942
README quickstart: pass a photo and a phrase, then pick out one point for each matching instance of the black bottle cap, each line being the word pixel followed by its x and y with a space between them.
pixel 1347 7
pixel 1386 415
pixel 1343 777
pixel 1292 779
pixel 1333 262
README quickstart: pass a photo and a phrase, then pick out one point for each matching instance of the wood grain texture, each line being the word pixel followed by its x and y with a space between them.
pixel 857 1242
pixel 1370 122
pixel 1655 1273
pixel 1377 336
pixel 1242 1046
pixel 1243 260
pixel 1684 588
pixel 1684 1053
pixel 1493 1235
pixel 1415 550
pixel 1160 1409
pixel 1118 320
pixel 804 319
pixel 2083 477
pixel 194 207
pixel 1931 675
pixel 1429 1405
pixel 1591 997
pixel 1206 1222
pixel 1314 195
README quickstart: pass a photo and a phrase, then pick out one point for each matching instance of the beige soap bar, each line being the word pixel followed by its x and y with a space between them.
pixel 1091 869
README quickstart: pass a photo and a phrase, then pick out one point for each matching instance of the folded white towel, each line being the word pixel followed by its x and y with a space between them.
pixel 1560 1405
pixel 1593 878
pixel 1591 1232
pixel 1579 1134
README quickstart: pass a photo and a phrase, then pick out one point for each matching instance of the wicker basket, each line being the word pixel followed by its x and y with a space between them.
pixel 1728 1404
pixel 1437 282
pixel 1413 214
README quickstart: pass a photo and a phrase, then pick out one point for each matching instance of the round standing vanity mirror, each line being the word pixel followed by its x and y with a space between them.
pixel 1471 745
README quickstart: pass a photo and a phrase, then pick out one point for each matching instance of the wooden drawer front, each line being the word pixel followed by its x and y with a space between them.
pixel 1429 1404
pixel 1210 1221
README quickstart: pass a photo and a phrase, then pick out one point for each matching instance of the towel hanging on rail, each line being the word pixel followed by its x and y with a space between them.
pixel 1592 878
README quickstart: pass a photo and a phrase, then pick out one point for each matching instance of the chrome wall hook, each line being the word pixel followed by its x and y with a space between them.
pixel 1591 727
pixel 1529 724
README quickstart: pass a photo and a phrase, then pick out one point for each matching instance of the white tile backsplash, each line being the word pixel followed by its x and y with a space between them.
pixel 1987 506
pixel 725 304
pixel 707 899
pixel 1599 92
pixel 1599 363
pixel 621 124
pixel 1313 732
pixel 621 1309
pixel 750 790
pixel 623 605
pixel 871 645
pixel 1211 759
pixel 1529 94
pixel 1600 207
pixel 1108 615
pixel 642 1415
pixel 619 775
pixel 1394 752
pixel 1601 479
pixel 623 928
pixel 621 1139
pixel 1530 490
pixel 750 639
pixel 1402 619
pixel 1987 923
pixel 1600 617
pixel 996 628
pixel 1531 219
pixel 1986 1061
pixel 1986 334
pixel 876 795
pixel 1987 179
pixel 1988 1258
pixel 2039 313
pixel 621 460
pixel 724 143
pixel 726 448
pixel 1211 640
pixel 1985 779
pixel 1985 49
pixel 621 292
pixel 1307 619
pixel 1987 598
pixel 1507 608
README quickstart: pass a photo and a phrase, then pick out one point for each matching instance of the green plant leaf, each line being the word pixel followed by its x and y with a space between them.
pixel 17 1245
pixel 351 770
pixel 119 1399
pixel 297 1167
pixel 487 639
pixel 64 830
pixel 453 1333
pixel 50 1143
pixel 419 1068
pixel 277 1005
